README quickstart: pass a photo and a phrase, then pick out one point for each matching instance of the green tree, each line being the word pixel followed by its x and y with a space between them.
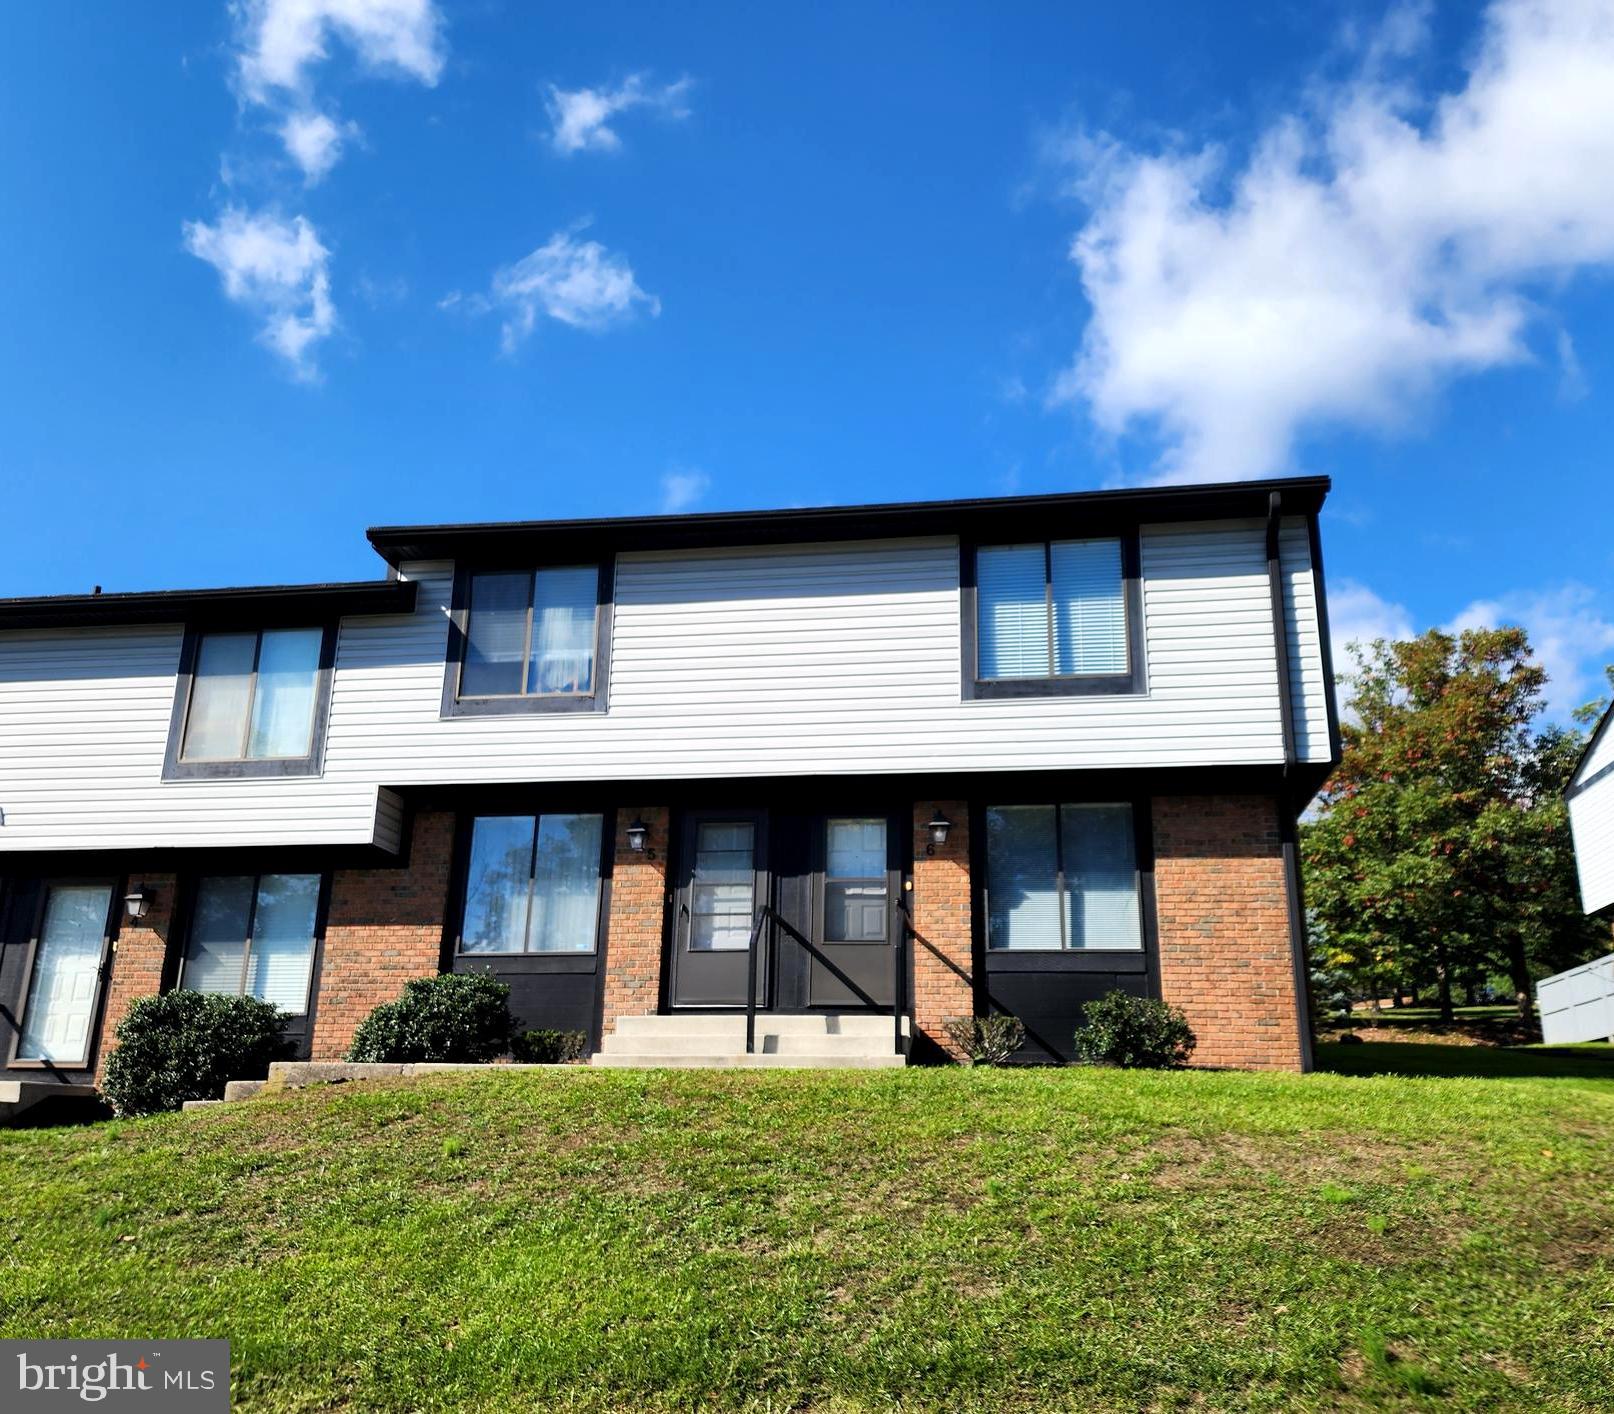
pixel 1441 849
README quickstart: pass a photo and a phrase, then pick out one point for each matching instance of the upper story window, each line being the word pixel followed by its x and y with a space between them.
pixel 1052 617
pixel 251 703
pixel 529 640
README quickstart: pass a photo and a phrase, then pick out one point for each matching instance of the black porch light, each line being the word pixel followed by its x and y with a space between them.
pixel 137 902
pixel 938 826
pixel 638 833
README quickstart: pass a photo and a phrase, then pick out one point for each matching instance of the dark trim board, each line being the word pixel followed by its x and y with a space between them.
pixel 984 517
pixel 1576 785
pixel 251 606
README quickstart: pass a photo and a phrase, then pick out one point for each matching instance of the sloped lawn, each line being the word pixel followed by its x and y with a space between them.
pixel 947 1239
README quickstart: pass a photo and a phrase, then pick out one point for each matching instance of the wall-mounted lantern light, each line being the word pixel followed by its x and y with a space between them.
pixel 638 835
pixel 137 902
pixel 938 826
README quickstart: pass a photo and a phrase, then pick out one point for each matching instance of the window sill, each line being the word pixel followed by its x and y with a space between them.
pixel 1066 960
pixel 535 962
pixel 521 706
pixel 242 770
pixel 1012 689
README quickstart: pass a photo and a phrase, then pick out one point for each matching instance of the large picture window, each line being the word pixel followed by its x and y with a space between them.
pixel 529 640
pixel 1052 617
pixel 1062 877
pixel 253 935
pixel 251 703
pixel 533 884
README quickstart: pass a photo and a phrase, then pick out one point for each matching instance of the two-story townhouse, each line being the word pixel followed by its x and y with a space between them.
pixel 904 762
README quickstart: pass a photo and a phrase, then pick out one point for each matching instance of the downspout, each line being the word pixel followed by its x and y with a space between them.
pixel 1287 811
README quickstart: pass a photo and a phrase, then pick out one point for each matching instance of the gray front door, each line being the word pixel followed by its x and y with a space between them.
pixel 854 910
pixel 723 882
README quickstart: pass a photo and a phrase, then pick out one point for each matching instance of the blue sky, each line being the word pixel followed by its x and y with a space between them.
pixel 280 271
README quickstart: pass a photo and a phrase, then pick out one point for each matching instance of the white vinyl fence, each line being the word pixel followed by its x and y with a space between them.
pixel 1578 1005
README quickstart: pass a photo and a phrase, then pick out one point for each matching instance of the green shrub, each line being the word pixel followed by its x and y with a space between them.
pixel 1135 1033
pixel 185 1045
pixel 549 1047
pixel 455 1016
pixel 986 1040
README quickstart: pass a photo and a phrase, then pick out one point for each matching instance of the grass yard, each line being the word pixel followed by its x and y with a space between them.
pixel 1063 1239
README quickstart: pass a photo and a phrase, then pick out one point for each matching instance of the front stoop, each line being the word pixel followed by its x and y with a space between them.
pixel 685 1040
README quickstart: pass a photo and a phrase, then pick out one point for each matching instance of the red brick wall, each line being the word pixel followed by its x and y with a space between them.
pixel 634 925
pixel 942 983
pixel 137 959
pixel 1221 894
pixel 384 927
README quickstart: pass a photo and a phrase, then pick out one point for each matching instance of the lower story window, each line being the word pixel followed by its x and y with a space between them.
pixel 1061 877
pixel 533 884
pixel 253 935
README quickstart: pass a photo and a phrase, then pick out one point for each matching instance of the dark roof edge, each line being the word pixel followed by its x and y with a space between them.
pixel 396 543
pixel 1603 724
pixel 247 604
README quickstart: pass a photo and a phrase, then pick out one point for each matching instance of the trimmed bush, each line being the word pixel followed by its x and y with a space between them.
pixel 455 1016
pixel 986 1040
pixel 1135 1033
pixel 186 1045
pixel 549 1047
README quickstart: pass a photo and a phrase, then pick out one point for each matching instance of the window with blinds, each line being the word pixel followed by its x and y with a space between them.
pixel 1050 609
pixel 253 935
pixel 1062 877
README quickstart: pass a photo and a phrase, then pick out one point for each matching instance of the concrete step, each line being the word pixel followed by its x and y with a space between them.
pixel 242 1089
pixel 709 1034
pixel 17 1097
pixel 740 1060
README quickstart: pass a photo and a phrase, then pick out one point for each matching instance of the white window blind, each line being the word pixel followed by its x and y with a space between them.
pixel 1022 871
pixel 1089 607
pixel 1101 878
pixel 253 935
pixel 1011 611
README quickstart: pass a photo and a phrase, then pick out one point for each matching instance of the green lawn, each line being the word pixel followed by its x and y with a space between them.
pixel 949 1239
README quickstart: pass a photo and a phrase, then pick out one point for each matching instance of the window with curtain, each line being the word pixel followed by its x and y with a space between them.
pixel 253 935
pixel 1062 877
pixel 531 633
pixel 533 884
pixel 253 696
pixel 1050 609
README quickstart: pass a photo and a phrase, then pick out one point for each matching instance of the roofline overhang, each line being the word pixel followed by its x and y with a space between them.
pixel 985 516
pixel 247 605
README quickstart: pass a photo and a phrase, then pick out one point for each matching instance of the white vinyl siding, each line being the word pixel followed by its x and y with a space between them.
pixel 1591 821
pixel 797 660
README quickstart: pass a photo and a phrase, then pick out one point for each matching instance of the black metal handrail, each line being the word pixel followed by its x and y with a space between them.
pixel 751 980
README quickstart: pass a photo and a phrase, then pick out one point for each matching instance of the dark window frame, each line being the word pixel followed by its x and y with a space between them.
pixel 109 934
pixel 528 959
pixel 1138 959
pixel 515 704
pixel 189 889
pixel 176 768
pixel 1130 683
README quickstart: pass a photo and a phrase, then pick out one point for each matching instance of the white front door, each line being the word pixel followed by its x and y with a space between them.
pixel 64 983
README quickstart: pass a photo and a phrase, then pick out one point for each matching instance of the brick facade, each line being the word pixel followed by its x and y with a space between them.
pixel 943 976
pixel 634 925
pixel 138 957
pixel 384 927
pixel 1222 900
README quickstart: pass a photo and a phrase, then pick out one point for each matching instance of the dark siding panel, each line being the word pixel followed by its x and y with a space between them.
pixel 1050 1004
pixel 544 1001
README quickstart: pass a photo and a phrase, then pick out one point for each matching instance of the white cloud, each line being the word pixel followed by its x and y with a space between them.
pixel 1371 247
pixel 1356 614
pixel 277 269
pixel 1571 636
pixel 581 116
pixel 682 489
pixel 579 283
pixel 314 141
pixel 280 42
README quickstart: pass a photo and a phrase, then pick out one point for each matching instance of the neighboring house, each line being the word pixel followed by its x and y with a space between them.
pixel 935 758
pixel 1591 816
